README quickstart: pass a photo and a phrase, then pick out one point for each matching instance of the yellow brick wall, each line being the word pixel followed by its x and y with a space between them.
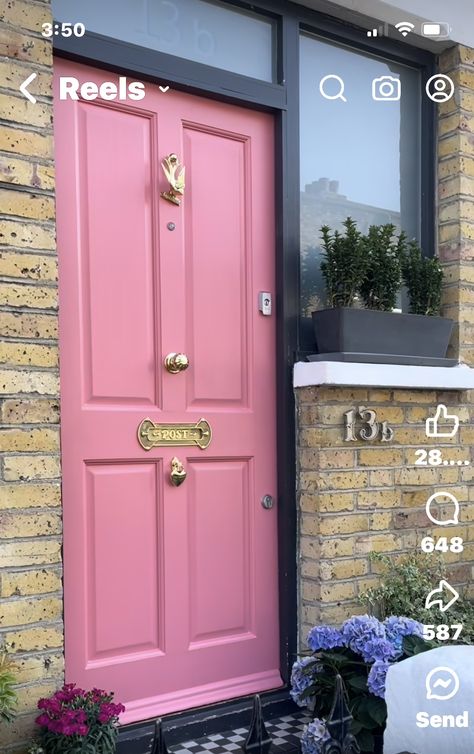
pixel 30 512
pixel 456 198
pixel 360 497
pixel 357 498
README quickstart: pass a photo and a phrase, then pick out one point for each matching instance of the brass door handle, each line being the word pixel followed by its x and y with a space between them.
pixel 176 362
pixel 178 474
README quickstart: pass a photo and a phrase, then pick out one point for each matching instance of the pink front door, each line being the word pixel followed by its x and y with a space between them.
pixel 170 591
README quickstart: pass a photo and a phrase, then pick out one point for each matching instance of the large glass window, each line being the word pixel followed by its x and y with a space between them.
pixel 199 30
pixel 360 152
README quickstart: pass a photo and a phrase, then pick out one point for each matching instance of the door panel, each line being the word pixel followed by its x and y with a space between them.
pixel 116 573
pixel 217 291
pixel 219 531
pixel 170 592
pixel 117 235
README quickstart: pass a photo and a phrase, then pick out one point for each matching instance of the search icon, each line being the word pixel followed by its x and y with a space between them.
pixel 339 94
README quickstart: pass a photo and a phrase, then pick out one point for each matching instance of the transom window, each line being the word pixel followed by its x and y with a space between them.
pixel 206 32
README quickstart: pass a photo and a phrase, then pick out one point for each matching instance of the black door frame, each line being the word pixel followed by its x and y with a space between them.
pixel 281 99
pixel 126 59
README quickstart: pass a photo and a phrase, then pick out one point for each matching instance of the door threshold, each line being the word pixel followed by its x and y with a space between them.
pixel 199 722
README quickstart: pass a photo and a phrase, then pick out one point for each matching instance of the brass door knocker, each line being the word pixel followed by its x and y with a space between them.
pixel 178 474
pixel 174 173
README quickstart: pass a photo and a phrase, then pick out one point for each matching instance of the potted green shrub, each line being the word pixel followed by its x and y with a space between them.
pixel 344 264
pixel 363 276
pixel 383 274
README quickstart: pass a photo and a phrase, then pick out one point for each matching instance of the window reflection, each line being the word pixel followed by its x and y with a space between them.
pixel 359 157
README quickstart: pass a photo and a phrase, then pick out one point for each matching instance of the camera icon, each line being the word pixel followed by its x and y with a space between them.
pixel 386 88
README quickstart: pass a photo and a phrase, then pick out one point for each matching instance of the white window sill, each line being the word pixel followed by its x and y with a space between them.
pixel 382 375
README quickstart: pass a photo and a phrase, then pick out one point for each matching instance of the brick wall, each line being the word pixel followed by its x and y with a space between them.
pixel 355 498
pixel 30 515
pixel 456 198
pixel 359 497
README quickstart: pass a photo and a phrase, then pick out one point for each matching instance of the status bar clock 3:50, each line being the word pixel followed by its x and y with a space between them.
pixel 64 29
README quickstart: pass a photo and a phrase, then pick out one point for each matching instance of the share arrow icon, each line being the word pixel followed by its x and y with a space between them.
pixel 442 597
pixel 25 85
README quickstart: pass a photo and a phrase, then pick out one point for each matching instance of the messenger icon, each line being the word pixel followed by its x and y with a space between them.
pixel 442 683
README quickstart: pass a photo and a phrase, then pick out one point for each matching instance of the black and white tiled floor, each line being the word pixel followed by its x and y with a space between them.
pixel 285 733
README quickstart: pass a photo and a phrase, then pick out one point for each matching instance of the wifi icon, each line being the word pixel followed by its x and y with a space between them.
pixel 405 27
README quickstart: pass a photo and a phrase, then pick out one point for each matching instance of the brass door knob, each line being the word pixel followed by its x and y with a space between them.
pixel 178 474
pixel 176 362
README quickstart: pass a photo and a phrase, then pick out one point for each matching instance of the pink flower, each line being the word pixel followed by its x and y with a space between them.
pixel 98 695
pixel 71 711
pixel 108 711
pixel 43 720
pixel 72 723
pixel 68 692
pixel 53 706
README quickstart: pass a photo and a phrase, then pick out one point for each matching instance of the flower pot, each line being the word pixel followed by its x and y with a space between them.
pixel 346 334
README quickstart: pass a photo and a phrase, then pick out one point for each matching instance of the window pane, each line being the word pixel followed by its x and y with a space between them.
pixel 359 157
pixel 193 29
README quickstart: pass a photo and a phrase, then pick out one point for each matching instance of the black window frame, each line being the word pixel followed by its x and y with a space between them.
pixel 424 62
pixel 282 100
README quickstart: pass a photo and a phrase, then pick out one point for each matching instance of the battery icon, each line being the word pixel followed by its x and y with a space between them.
pixel 436 30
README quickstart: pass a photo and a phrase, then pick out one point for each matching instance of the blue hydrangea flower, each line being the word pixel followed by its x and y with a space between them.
pixel 377 677
pixel 324 637
pixel 375 650
pixel 314 736
pixel 301 678
pixel 359 630
pixel 396 628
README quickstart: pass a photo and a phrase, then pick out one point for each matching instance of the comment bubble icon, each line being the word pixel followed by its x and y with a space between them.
pixel 443 500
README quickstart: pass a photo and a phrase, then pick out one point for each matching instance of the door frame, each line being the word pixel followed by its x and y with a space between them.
pixel 282 100
pixel 108 54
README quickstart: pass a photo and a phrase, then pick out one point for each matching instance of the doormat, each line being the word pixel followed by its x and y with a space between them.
pixel 284 731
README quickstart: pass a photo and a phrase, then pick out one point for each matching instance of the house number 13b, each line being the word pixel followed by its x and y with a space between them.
pixel 370 429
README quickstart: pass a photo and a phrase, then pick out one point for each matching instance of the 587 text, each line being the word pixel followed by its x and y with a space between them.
pixel 442 632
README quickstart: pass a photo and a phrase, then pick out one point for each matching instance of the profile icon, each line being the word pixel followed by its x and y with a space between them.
pixel 439 88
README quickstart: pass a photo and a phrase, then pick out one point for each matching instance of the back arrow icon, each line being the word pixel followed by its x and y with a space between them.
pixel 24 89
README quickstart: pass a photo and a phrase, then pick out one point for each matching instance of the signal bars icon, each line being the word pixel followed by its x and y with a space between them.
pixel 404 27
pixel 381 31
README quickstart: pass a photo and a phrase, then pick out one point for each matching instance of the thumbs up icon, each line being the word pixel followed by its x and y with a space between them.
pixel 442 417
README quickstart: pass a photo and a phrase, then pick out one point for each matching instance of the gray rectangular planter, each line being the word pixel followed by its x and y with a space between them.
pixel 370 335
